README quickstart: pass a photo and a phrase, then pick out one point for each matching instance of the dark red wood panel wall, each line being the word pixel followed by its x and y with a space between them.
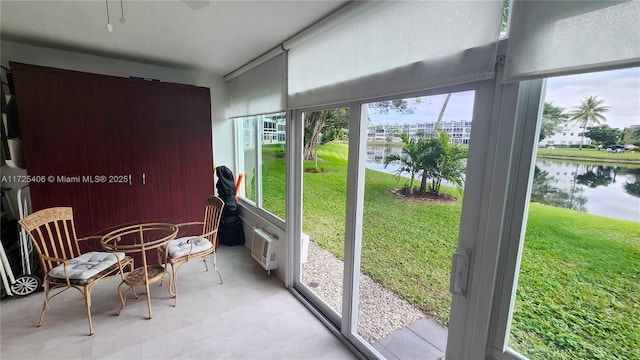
pixel 80 124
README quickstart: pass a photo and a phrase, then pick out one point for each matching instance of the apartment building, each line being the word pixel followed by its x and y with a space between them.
pixel 568 135
pixel 459 131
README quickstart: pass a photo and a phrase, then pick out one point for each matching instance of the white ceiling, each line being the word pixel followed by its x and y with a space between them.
pixel 218 36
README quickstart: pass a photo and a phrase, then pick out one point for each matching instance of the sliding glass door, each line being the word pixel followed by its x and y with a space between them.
pixel 416 159
pixel 378 192
pixel 324 197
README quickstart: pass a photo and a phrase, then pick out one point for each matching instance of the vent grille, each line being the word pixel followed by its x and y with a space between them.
pixel 263 250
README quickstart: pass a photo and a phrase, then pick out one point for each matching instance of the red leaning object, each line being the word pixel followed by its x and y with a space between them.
pixel 240 178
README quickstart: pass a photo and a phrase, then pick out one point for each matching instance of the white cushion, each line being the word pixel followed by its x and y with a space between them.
pixel 86 265
pixel 180 247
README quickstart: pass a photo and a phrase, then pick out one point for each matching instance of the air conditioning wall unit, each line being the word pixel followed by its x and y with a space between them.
pixel 265 250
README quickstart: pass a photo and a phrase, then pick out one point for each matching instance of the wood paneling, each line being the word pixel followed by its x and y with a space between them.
pixel 46 154
pixel 79 124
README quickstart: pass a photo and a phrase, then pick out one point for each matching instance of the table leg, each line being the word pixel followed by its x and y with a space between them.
pixel 146 285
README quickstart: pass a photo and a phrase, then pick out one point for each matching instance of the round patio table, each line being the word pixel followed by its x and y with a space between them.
pixel 140 238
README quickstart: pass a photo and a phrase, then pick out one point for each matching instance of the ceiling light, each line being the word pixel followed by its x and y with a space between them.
pixel 109 27
pixel 123 20
pixel 196 4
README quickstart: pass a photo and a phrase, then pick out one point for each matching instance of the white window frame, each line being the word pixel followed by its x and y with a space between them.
pixel 258 140
pixel 498 158
pixel 294 204
pixel 493 217
pixel 523 153
pixel 528 114
pixel 492 102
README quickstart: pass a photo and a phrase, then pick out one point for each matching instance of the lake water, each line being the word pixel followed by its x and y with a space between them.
pixel 611 191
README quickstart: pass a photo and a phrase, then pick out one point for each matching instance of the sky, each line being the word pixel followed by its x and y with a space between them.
pixel 620 90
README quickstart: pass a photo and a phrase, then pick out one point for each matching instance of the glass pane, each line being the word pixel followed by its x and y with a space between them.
pixel 247 134
pixel 578 285
pixel 416 161
pixel 324 203
pixel 505 18
pixel 273 163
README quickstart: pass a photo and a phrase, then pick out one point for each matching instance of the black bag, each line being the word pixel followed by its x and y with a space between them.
pixel 230 231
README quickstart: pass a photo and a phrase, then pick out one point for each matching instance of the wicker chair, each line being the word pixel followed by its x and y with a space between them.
pixel 184 249
pixel 53 233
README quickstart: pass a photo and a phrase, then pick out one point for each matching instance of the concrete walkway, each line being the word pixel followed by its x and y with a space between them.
pixel 422 339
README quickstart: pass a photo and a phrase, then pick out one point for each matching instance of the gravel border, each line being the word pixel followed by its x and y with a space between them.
pixel 381 312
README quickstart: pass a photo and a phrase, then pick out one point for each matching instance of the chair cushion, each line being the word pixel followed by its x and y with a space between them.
pixel 180 247
pixel 86 265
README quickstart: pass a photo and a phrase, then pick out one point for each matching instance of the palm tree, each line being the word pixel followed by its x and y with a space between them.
pixel 409 159
pixel 449 164
pixel 432 150
pixel 589 111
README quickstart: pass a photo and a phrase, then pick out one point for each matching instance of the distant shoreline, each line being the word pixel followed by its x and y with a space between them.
pixel 588 159
pixel 590 155
pixel 541 155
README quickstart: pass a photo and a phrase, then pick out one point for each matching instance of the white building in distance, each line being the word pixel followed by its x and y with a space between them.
pixel 273 129
pixel 569 135
pixel 459 131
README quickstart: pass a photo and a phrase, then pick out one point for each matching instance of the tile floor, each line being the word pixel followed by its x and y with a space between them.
pixel 250 316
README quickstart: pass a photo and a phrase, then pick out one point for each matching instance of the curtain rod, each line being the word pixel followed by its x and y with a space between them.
pixel 309 31
pixel 296 39
pixel 255 62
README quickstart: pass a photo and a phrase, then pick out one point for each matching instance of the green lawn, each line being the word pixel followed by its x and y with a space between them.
pixel 589 154
pixel 579 287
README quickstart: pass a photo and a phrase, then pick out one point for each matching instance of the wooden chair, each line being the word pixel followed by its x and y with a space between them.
pixel 184 249
pixel 53 234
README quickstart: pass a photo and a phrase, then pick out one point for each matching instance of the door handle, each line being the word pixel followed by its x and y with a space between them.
pixel 460 272
pixel 144 179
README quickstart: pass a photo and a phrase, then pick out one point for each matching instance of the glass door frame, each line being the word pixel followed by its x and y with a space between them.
pixel 493 130
pixel 527 122
pixel 294 204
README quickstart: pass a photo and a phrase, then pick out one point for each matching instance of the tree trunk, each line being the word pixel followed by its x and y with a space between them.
pixel 314 122
pixel 435 186
pixel 423 183
pixel 444 107
pixel 316 160
pixel 411 185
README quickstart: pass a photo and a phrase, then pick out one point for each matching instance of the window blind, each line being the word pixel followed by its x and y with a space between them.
pixel 260 90
pixel 551 38
pixel 387 48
